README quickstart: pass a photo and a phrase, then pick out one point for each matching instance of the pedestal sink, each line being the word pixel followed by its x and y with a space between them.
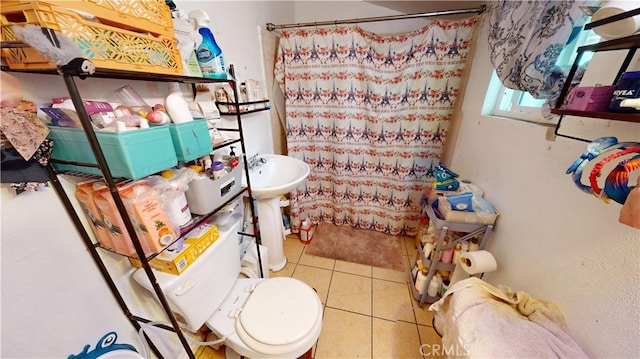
pixel 273 176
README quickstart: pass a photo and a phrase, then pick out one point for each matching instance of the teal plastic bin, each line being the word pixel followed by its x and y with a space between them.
pixel 132 154
pixel 191 139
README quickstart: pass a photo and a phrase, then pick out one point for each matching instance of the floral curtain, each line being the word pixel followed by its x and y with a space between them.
pixel 369 114
pixel 525 40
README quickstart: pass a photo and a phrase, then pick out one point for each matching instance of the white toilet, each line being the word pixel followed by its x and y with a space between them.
pixel 258 318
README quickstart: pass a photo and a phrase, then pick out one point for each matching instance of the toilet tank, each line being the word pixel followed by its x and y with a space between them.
pixel 195 294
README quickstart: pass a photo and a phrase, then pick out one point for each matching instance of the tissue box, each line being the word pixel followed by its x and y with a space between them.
pixel 591 98
pixel 484 213
pixel 176 261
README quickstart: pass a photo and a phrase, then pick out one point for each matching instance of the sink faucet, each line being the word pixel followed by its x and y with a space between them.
pixel 254 161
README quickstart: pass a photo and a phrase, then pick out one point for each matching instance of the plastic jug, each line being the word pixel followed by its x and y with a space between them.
pixel 306 231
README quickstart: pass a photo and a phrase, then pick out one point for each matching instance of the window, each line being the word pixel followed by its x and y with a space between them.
pixel 505 102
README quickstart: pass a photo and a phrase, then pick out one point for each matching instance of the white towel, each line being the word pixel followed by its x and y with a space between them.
pixel 479 320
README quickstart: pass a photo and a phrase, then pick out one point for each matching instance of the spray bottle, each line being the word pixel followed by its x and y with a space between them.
pixel 208 53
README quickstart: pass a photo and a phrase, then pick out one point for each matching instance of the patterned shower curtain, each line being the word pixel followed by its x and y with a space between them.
pixel 369 114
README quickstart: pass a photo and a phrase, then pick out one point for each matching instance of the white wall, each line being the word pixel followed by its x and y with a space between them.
pixel 54 301
pixel 235 26
pixel 551 239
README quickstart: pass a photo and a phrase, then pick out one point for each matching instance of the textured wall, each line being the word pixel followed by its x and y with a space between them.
pixel 551 239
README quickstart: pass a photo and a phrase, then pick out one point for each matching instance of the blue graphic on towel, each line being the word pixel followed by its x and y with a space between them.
pixel 105 345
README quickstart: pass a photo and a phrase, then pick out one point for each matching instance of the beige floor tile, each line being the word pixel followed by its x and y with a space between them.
pixel 287 271
pixel 210 353
pixel 315 261
pixel 408 261
pixel 344 335
pixel 432 344
pixel 317 278
pixel 390 274
pixel 395 339
pixel 353 268
pixel 392 301
pixel 409 245
pixel 350 292
pixel 423 315
pixel 293 248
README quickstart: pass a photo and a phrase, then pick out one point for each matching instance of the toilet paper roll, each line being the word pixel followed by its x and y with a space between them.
pixel 478 262
pixel 620 28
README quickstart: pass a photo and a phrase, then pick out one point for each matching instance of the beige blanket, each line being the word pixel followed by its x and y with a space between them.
pixel 478 320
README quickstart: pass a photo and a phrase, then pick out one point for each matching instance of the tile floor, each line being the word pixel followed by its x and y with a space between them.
pixel 369 312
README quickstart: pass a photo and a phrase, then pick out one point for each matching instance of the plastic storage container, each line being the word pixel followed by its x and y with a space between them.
pixel 205 194
pixel 132 154
pixel 152 15
pixel 125 44
pixel 191 139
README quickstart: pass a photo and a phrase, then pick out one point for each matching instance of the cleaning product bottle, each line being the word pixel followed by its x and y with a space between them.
pixel 208 53
pixel 434 287
pixel 306 231
pixel 233 159
pixel 421 278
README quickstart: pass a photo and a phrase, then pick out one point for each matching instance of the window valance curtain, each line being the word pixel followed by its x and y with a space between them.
pixel 525 40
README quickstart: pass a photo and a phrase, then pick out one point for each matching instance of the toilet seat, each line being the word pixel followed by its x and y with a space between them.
pixel 279 313
pixel 279 310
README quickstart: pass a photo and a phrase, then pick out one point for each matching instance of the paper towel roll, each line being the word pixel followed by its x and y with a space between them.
pixel 620 28
pixel 478 262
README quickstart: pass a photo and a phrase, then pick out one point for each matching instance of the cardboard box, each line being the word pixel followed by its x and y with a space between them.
pixel 176 261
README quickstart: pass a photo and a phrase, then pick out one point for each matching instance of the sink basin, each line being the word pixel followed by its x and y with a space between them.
pixel 277 176
pixel 273 176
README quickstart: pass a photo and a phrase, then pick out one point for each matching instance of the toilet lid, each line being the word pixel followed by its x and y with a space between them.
pixel 279 311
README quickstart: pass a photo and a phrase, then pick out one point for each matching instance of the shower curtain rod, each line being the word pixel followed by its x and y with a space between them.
pixel 480 10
